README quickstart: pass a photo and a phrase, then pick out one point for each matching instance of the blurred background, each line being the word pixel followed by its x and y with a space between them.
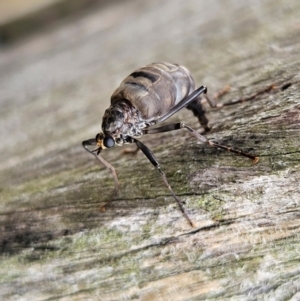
pixel 61 60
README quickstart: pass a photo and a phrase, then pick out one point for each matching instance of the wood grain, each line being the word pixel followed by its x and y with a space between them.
pixel 55 86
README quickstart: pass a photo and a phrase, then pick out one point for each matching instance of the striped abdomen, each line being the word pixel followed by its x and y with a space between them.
pixel 155 88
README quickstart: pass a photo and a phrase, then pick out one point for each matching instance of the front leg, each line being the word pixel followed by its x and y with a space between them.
pixel 147 152
pixel 95 153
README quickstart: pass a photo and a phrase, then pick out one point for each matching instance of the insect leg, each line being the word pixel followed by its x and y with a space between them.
pixel 196 107
pixel 241 100
pixel 198 110
pixel 106 164
pixel 183 103
pixel 180 125
pixel 213 144
pixel 147 152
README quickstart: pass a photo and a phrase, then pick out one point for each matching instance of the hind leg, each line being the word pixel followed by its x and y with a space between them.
pixel 198 110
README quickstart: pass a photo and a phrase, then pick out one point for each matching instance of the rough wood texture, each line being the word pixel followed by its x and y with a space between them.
pixel 56 245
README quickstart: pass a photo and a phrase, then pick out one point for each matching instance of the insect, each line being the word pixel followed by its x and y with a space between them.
pixel 147 97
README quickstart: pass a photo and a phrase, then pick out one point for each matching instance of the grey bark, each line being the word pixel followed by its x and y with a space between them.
pixel 55 86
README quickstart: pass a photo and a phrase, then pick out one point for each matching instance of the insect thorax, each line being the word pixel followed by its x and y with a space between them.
pixel 121 120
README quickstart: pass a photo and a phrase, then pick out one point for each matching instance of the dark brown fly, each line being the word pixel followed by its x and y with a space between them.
pixel 145 98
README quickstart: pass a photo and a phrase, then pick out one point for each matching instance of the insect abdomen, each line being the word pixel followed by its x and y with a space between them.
pixel 155 88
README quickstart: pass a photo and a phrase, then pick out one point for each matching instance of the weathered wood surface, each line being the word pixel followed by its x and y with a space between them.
pixel 57 245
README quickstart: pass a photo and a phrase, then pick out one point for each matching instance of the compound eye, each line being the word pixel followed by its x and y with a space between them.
pixel 108 141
